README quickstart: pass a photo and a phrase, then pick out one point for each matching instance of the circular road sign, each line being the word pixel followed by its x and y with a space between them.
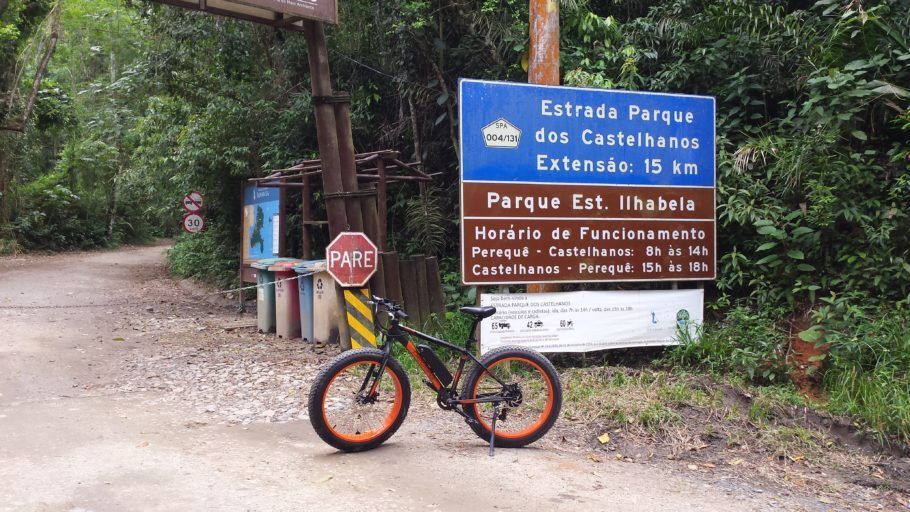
pixel 352 259
pixel 192 202
pixel 193 223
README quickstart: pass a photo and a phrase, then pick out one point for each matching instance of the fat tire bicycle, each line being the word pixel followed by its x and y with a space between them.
pixel 511 396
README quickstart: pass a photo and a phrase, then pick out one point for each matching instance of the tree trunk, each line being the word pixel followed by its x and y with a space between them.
pixel 112 205
pixel 4 181
pixel 450 100
pixel 20 124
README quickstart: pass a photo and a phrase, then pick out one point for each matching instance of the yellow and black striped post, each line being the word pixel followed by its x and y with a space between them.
pixel 360 317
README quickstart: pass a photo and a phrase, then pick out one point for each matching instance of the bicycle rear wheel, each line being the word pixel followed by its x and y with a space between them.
pixel 342 412
pixel 525 419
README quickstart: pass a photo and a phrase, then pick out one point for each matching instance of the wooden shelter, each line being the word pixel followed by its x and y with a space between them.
pixel 376 170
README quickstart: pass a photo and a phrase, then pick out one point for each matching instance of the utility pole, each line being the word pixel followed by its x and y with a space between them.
pixel 543 67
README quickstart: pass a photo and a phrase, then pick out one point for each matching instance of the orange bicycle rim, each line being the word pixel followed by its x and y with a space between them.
pixel 387 421
pixel 544 415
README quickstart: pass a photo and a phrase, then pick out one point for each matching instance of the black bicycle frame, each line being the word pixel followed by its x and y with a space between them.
pixel 446 395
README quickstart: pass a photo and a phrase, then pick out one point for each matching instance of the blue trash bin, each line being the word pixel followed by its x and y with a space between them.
pixel 305 289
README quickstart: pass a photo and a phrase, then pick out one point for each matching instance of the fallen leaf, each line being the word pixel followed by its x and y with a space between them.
pixel 324 479
pixel 119 339
pixel 708 465
pixel 594 458
pixel 604 438
pixel 735 462
pixel 693 467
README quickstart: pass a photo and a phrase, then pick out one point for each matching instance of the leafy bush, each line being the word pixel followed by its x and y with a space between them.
pixel 744 342
pixel 55 218
pixel 210 255
pixel 869 371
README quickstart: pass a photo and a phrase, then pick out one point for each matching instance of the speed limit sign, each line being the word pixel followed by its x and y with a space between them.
pixel 193 223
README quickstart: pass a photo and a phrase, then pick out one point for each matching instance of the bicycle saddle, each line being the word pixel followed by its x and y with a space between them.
pixel 480 312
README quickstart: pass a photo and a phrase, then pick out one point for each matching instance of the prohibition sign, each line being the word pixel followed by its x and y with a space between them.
pixel 192 202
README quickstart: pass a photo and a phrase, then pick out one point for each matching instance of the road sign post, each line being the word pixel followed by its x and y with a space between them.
pixel 563 185
pixel 352 259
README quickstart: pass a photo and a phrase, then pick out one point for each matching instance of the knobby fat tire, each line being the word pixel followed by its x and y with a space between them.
pixel 318 389
pixel 477 372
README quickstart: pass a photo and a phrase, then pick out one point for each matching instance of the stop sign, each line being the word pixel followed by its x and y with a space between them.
pixel 352 259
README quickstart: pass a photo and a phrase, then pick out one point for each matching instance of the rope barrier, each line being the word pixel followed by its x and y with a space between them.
pixel 129 303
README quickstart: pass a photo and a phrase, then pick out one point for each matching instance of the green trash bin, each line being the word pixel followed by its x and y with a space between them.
pixel 287 299
pixel 265 293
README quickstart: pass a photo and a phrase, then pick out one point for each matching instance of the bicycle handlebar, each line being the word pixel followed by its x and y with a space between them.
pixel 394 310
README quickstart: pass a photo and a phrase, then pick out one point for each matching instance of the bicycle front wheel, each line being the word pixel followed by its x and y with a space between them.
pixel 532 382
pixel 342 409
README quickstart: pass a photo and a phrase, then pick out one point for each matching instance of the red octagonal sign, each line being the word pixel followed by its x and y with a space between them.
pixel 352 259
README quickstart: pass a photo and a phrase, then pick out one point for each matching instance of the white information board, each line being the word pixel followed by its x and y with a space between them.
pixel 595 320
pixel 276 233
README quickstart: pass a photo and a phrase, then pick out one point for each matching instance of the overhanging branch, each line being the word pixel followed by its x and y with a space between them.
pixel 19 124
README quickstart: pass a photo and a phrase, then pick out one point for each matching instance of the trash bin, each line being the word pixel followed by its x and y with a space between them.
pixel 305 290
pixel 265 293
pixel 326 309
pixel 287 299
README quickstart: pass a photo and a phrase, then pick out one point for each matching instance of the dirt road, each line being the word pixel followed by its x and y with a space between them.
pixel 168 403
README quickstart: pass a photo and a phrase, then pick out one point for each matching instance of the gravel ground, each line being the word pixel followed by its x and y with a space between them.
pixel 187 348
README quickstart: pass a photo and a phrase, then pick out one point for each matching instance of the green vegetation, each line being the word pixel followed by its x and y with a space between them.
pixel 142 103
pixel 869 372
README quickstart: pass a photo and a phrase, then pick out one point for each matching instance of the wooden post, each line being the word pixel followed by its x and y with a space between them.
pixel 543 67
pixel 327 138
pixel 434 288
pixel 326 129
pixel 342 105
pixel 420 271
pixel 371 227
pixel 392 276
pixel 381 205
pixel 408 272
pixel 306 215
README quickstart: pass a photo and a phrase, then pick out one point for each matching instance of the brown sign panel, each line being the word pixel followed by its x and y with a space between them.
pixel 531 232
pixel 287 14
pixel 587 250
pixel 322 10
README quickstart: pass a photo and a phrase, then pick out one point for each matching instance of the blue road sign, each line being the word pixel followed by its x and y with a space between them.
pixel 512 132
